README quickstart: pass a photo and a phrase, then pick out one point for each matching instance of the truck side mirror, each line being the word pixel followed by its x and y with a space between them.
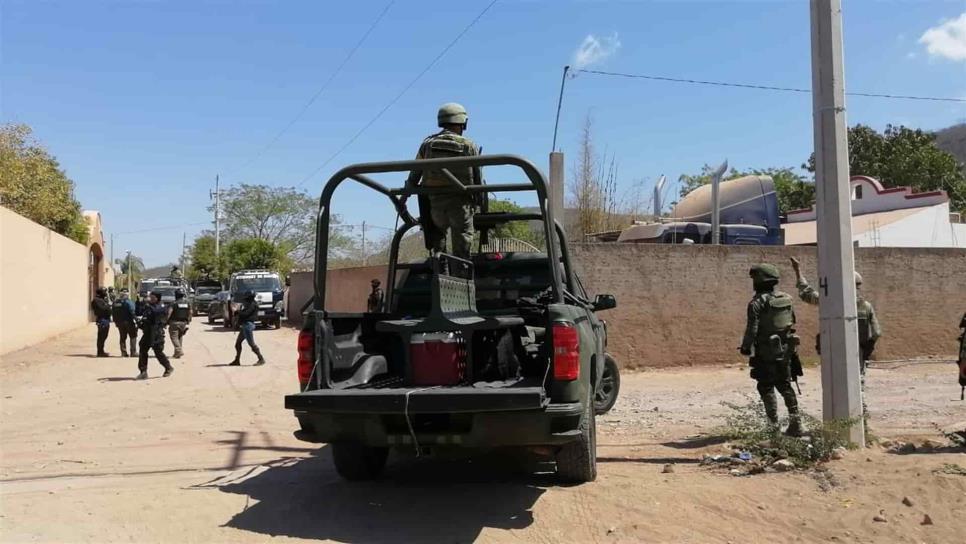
pixel 604 302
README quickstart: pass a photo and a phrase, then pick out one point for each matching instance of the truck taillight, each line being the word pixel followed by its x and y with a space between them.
pixel 306 356
pixel 566 351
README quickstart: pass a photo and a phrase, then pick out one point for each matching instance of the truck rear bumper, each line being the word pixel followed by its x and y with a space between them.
pixel 450 416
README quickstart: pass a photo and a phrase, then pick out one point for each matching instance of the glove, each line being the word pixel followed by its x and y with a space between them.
pixel 745 351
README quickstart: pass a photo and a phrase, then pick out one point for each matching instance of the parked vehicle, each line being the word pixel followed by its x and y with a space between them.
pixel 268 293
pixel 216 308
pixel 204 293
pixel 503 350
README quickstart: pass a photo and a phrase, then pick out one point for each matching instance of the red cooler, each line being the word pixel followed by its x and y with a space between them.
pixel 437 358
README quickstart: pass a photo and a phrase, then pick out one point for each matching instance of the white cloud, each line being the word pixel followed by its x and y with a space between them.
pixel 947 40
pixel 593 50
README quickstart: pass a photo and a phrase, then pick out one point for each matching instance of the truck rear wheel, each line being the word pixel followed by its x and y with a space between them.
pixel 354 461
pixel 609 387
pixel 577 460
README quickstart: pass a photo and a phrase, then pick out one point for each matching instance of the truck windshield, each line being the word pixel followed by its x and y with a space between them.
pixel 207 290
pixel 260 284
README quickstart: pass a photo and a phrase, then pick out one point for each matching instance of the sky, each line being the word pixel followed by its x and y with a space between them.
pixel 144 102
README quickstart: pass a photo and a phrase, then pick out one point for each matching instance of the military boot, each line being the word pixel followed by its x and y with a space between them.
pixel 261 360
pixel 142 376
pixel 794 426
pixel 236 362
pixel 168 371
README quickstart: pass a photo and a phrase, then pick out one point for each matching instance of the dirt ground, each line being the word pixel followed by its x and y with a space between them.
pixel 207 455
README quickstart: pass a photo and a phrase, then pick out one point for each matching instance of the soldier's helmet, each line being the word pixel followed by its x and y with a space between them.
pixel 101 292
pixel 376 283
pixel 179 293
pixel 764 272
pixel 451 113
pixel 858 279
pixel 155 294
pixel 249 295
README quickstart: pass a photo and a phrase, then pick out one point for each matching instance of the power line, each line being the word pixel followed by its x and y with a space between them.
pixel 400 95
pixel 764 87
pixel 163 228
pixel 319 92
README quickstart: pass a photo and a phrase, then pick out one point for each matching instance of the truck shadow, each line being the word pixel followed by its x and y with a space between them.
pixel 418 500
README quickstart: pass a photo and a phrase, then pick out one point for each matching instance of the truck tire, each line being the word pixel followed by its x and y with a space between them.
pixel 355 462
pixel 577 460
pixel 609 387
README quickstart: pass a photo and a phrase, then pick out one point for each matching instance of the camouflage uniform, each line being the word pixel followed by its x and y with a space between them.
pixel 868 323
pixel 448 212
pixel 768 339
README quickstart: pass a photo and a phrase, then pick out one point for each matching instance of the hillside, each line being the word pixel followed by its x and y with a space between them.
pixel 953 141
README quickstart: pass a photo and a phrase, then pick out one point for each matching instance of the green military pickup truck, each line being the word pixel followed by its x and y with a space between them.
pixel 502 350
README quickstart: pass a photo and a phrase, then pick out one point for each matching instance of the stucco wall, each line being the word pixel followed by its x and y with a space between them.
pixel 347 289
pixel 43 283
pixel 685 305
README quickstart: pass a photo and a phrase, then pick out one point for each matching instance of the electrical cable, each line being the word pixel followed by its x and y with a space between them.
pixel 764 87
pixel 318 93
pixel 400 95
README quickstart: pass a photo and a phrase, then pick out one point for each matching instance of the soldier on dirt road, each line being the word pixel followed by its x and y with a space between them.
pixel 770 343
pixel 451 213
pixel 152 322
pixel 102 318
pixel 246 329
pixel 179 316
pixel 122 311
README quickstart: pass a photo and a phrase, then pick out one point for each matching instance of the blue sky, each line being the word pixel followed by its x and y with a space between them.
pixel 144 102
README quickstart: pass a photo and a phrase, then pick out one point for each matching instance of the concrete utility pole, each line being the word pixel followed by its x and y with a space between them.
pixel 184 260
pixel 716 203
pixel 217 196
pixel 841 394
pixel 556 189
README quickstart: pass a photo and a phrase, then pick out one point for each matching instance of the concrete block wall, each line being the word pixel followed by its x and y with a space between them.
pixel 686 305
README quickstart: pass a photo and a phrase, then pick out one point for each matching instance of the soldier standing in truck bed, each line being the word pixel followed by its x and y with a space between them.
pixel 449 212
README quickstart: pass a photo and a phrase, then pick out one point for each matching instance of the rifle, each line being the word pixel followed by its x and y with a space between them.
pixel 962 358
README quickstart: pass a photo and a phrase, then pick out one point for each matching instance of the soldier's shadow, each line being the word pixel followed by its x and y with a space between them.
pixel 418 500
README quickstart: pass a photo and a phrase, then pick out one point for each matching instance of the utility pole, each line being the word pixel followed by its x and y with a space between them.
pixel 658 205
pixel 130 275
pixel 112 252
pixel 841 393
pixel 364 259
pixel 184 260
pixel 556 123
pixel 716 203
pixel 555 192
pixel 217 196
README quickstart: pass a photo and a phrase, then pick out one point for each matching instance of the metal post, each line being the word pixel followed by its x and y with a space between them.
pixel 556 189
pixel 841 394
pixel 364 244
pixel 658 205
pixel 217 197
pixel 556 122
pixel 184 261
pixel 130 276
pixel 716 203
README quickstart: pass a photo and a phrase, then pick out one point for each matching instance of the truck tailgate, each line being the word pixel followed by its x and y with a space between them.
pixel 420 399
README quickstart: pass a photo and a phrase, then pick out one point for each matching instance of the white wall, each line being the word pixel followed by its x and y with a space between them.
pixel 927 228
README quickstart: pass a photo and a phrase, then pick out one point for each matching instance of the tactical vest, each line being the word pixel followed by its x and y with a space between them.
pixel 777 317
pixel 121 312
pixel 180 310
pixel 864 315
pixel 443 145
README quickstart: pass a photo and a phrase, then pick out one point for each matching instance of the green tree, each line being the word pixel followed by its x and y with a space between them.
pixel 519 230
pixel 204 264
pixel 282 216
pixel 255 253
pixel 133 266
pixel 794 190
pixel 33 184
pixel 902 156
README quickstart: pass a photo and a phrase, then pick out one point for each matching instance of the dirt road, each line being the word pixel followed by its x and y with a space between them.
pixel 207 455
